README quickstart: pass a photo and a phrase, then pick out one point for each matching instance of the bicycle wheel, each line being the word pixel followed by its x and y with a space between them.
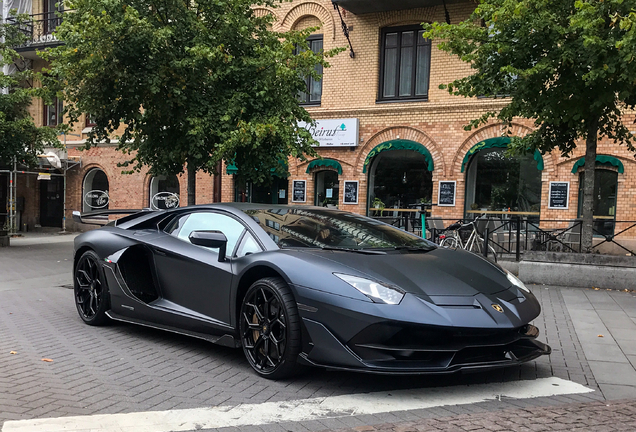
pixel 477 247
pixel 449 242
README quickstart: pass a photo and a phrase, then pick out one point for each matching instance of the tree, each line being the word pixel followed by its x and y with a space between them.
pixel 193 83
pixel 20 139
pixel 565 64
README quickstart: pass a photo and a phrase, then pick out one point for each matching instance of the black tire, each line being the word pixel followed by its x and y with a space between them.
pixel 90 290
pixel 270 329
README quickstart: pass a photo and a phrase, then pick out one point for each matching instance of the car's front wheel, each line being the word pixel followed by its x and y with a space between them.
pixel 270 328
pixel 91 292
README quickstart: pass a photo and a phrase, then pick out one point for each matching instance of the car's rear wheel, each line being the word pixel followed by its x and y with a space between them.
pixel 270 328
pixel 91 292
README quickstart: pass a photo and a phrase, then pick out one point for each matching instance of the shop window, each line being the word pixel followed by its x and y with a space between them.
pixel 400 179
pixel 604 207
pixel 405 63
pixel 498 182
pixel 53 113
pixel 95 191
pixel 327 189
pixel 273 193
pixel 164 192
pixel 313 92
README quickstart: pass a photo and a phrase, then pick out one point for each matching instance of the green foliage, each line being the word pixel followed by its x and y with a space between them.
pixel 19 136
pixel 565 64
pixel 193 83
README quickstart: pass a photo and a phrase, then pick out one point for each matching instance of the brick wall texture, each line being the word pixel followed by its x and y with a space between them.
pixel 350 89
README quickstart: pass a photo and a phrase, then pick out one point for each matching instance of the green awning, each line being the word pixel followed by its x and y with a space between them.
pixel 399 144
pixel 600 160
pixel 325 163
pixel 499 142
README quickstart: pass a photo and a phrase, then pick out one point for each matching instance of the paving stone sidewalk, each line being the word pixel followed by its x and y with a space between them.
pixel 595 416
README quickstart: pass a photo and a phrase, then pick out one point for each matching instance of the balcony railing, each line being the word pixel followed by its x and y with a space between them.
pixel 39 29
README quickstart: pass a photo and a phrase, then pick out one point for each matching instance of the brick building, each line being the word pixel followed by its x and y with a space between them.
pixel 388 135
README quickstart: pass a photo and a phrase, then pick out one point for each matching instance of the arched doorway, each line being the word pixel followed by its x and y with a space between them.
pixel 327 188
pixel 605 192
pixel 496 181
pixel 95 191
pixel 164 192
pixel 400 175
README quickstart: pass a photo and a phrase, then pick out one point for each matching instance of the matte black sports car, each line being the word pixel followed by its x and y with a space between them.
pixel 297 286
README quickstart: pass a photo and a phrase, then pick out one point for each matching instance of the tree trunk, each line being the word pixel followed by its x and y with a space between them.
pixel 588 186
pixel 192 183
pixel 217 182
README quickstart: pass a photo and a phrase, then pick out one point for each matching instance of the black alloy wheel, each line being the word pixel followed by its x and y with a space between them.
pixel 91 292
pixel 270 328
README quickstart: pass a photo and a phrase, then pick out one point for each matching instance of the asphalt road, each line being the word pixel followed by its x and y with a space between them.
pixel 123 368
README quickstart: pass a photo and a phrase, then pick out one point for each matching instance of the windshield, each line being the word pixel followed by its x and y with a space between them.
pixel 318 228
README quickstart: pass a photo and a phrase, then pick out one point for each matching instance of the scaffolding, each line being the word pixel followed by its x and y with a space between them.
pixel 12 187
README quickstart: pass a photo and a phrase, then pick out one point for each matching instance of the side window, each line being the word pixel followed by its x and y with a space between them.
pixel 207 221
pixel 248 246
pixel 313 91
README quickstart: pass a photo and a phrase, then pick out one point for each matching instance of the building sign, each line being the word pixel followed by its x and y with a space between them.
pixel 298 191
pixel 559 195
pixel 44 176
pixel 334 132
pixel 96 199
pixel 164 201
pixel 350 192
pixel 446 193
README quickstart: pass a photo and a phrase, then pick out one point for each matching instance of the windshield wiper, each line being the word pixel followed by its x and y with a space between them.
pixel 362 251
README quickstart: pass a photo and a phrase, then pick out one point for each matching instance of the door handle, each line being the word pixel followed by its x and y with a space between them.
pixel 158 252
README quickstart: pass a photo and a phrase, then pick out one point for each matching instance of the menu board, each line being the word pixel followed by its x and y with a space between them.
pixel 350 192
pixel 298 191
pixel 446 193
pixel 559 195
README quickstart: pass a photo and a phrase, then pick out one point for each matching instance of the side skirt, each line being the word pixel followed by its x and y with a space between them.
pixel 225 340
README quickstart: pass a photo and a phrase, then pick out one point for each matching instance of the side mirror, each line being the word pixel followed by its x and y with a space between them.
pixel 210 239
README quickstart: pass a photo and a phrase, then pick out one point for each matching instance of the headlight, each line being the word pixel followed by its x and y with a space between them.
pixel 516 282
pixel 376 291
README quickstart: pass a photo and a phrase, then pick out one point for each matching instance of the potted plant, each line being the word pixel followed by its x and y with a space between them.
pixel 378 205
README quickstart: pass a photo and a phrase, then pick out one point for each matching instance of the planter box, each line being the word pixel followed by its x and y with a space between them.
pixel 578 270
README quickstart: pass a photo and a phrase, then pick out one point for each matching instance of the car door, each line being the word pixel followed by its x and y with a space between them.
pixel 193 282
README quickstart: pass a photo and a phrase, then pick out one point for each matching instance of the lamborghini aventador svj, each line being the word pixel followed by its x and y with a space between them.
pixel 299 286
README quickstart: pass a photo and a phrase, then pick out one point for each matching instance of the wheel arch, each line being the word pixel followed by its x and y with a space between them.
pixel 251 275
pixel 78 255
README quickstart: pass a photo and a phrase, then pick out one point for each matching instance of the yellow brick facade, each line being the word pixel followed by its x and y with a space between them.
pixel 350 90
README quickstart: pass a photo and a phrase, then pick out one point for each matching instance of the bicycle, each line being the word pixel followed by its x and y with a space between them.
pixel 474 243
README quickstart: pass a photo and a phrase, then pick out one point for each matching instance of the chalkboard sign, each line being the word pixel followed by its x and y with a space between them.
pixel 350 192
pixel 298 191
pixel 446 193
pixel 559 195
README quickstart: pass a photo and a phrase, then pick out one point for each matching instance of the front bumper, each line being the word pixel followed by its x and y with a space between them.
pixel 342 335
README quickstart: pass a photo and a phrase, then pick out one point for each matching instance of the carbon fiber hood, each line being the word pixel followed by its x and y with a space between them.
pixel 440 272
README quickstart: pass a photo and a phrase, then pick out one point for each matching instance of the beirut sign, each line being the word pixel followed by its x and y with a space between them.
pixel 334 132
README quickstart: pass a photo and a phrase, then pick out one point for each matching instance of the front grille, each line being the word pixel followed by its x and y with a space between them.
pixel 436 347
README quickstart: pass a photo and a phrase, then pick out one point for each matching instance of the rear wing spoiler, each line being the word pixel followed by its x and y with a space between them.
pixel 100 217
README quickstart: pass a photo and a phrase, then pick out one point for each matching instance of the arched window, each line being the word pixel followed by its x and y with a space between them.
pixel 164 192
pixel 95 191
pixel 400 179
pixel 498 182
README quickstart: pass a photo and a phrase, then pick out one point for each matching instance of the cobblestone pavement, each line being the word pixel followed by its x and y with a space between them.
pixel 596 416
pixel 124 368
